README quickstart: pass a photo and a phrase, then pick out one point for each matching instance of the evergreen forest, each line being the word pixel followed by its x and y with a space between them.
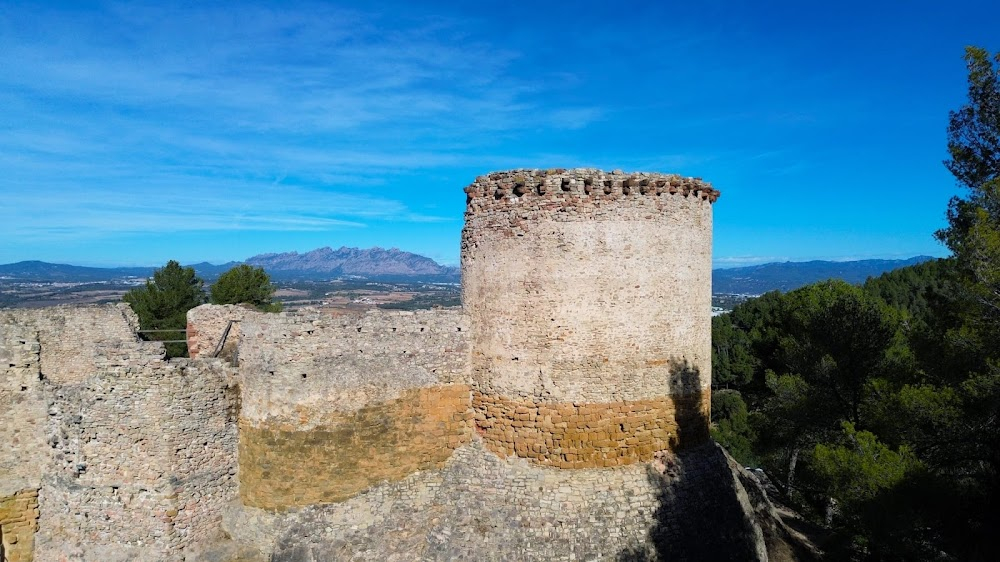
pixel 875 408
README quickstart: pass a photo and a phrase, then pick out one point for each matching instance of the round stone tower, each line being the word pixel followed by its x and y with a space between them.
pixel 589 299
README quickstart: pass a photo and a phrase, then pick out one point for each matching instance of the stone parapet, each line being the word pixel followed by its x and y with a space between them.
pixel 557 190
pixel 68 334
pixel 207 324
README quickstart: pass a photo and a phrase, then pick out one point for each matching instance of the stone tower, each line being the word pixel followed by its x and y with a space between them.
pixel 589 300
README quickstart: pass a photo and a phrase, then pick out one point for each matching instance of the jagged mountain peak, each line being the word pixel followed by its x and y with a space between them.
pixel 365 262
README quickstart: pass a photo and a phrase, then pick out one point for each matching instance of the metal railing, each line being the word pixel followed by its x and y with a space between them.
pixel 222 341
pixel 175 330
pixel 218 348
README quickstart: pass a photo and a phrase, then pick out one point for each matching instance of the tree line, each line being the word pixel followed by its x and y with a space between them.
pixel 876 408
pixel 163 302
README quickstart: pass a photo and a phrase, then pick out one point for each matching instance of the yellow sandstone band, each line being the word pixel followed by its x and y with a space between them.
pixel 281 467
pixel 590 435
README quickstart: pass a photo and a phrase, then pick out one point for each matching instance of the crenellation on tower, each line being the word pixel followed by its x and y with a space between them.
pixel 581 187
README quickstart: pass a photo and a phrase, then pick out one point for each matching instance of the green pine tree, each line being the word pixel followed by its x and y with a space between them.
pixel 244 284
pixel 162 304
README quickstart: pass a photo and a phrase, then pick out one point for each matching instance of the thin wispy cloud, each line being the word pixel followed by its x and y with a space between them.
pixel 262 119
pixel 125 120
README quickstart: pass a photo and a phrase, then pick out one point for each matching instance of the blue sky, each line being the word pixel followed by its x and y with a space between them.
pixel 132 133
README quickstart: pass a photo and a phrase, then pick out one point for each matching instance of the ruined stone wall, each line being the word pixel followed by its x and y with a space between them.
pixel 18 523
pixel 68 335
pixel 589 298
pixel 333 405
pixel 130 456
pixel 22 406
pixel 144 458
pixel 207 324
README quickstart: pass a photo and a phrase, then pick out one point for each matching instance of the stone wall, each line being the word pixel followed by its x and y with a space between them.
pixel 481 507
pixel 18 523
pixel 207 324
pixel 588 435
pixel 68 336
pixel 588 292
pixel 130 456
pixel 346 453
pixel 332 405
pixel 22 406
pixel 144 458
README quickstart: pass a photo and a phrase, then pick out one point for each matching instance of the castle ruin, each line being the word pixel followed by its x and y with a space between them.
pixel 561 414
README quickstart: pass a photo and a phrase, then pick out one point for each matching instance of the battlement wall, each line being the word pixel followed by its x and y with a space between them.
pixel 294 365
pixel 332 405
pixel 581 190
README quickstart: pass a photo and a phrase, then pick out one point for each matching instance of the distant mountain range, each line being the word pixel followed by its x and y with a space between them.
pixel 787 276
pixel 372 262
pixel 393 264
pixel 323 263
pixel 41 271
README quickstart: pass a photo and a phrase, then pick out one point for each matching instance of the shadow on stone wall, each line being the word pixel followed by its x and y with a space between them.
pixel 700 516
pixel 692 407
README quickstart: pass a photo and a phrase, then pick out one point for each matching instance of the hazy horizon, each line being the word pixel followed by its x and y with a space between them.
pixel 715 265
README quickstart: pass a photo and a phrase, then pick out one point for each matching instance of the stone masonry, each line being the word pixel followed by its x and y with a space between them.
pixel 118 454
pixel 331 406
pixel 18 523
pixel 208 327
pixel 589 297
pixel 560 414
